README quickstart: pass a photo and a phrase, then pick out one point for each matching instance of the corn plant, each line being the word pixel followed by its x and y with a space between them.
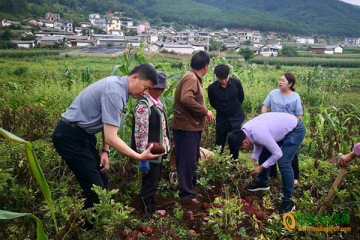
pixel 35 168
pixel 330 129
pixel 69 78
pixel 86 76
pixel 5 215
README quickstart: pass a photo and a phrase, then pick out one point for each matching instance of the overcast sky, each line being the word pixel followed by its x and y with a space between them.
pixel 355 2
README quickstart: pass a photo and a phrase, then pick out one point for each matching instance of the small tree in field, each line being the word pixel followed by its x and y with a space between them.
pixel 288 51
pixel 247 53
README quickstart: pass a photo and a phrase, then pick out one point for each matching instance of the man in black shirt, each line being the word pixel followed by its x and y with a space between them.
pixel 226 96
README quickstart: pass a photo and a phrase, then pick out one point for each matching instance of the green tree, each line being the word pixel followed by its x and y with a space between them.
pixel 247 53
pixel 247 43
pixel 214 45
pixel 288 51
pixel 7 35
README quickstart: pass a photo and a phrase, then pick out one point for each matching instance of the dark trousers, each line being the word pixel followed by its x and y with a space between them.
pixel 187 154
pixel 222 132
pixel 78 150
pixel 294 165
pixel 150 183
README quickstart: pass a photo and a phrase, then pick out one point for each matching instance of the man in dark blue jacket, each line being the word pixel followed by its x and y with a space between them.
pixel 226 96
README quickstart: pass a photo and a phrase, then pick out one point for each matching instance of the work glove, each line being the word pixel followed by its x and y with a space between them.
pixel 144 166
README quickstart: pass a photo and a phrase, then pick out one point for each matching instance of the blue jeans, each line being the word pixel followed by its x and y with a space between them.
pixel 291 144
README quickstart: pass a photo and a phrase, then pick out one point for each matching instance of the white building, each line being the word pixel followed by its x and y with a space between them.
pixel 96 20
pixel 188 36
pixel 177 48
pixel 333 49
pixel 24 44
pixel 64 25
pixel 270 50
pixel 249 35
pixel 305 40
pixel 127 22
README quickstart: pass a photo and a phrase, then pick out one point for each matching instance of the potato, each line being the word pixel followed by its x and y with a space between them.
pixel 157 148
pixel 204 205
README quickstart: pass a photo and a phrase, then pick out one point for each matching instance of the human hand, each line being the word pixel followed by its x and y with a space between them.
pixel 104 162
pixel 146 155
pixel 257 171
pixel 210 117
pixel 346 159
pixel 254 162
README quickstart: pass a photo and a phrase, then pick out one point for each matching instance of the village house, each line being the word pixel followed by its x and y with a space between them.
pixel 231 46
pixel 133 41
pixel 114 24
pixel 269 50
pixel 96 20
pixel 143 27
pixel 32 21
pixel 112 41
pixel 24 44
pixel 51 17
pixel 78 41
pixel 50 41
pixel 177 48
pixel 186 35
pixel 326 49
pixel 102 36
pixel 305 40
pixel 6 23
pixel 46 24
pixel 249 35
pixel 23 33
pixel 352 41
pixel 203 35
pixel 198 46
pixel 64 25
pixel 127 22
pixel 85 24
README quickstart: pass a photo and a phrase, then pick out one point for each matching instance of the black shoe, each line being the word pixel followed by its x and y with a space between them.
pixel 257 187
pixel 287 207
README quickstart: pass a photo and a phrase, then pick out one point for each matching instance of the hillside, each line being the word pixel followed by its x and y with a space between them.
pixel 191 12
pixel 332 17
pixel 77 10
pixel 328 17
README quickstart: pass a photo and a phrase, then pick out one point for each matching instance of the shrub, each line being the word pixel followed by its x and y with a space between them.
pixel 20 70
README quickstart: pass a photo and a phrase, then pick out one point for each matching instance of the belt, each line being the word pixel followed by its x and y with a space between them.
pixel 71 124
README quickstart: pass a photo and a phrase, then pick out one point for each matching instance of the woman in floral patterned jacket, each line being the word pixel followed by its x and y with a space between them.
pixel 150 125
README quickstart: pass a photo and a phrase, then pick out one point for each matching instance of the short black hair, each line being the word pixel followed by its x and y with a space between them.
pixel 200 60
pixel 236 138
pixel 222 71
pixel 145 72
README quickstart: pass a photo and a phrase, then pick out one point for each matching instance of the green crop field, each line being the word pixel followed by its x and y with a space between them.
pixel 37 86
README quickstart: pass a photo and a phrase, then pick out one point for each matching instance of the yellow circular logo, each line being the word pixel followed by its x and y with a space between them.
pixel 287 225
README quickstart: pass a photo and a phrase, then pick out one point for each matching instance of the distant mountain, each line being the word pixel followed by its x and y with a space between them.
pixel 332 17
pixel 77 10
pixel 329 17
pixel 203 15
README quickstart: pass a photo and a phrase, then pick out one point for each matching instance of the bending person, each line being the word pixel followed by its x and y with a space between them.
pixel 265 131
pixel 98 108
